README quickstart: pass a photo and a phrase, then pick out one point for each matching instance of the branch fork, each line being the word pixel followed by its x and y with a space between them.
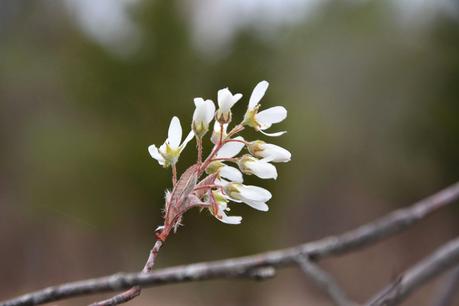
pixel 264 265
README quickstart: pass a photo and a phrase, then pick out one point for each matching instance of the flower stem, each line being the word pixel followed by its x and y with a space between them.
pixel 221 133
pixel 231 159
pixel 238 128
pixel 199 144
pixel 236 140
pixel 213 201
pixel 174 175
pixel 209 186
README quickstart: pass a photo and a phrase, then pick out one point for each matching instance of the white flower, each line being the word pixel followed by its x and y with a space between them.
pixel 251 165
pixel 169 152
pixel 255 197
pixel 202 116
pixel 265 119
pixel 231 148
pixel 226 100
pixel 222 206
pixel 269 152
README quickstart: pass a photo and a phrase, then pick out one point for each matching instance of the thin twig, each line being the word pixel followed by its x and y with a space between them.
pixel 448 289
pixel 324 281
pixel 438 262
pixel 361 237
pixel 136 290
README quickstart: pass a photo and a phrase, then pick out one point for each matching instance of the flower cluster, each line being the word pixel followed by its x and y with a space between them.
pixel 221 183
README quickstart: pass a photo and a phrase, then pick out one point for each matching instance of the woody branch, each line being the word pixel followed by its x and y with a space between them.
pixel 263 265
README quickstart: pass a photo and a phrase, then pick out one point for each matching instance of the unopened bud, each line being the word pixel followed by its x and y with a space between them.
pixel 232 190
pixel 256 147
pixel 214 167
pixel 223 117
pixel 242 163
pixel 200 129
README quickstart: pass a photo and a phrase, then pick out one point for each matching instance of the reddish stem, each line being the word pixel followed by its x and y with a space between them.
pixel 213 201
pixel 174 175
pixel 230 159
pixel 236 140
pixel 199 144
pixel 209 186
pixel 222 128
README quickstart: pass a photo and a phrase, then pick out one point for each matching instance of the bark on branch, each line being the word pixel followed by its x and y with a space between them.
pixel 250 266
pixel 448 289
pixel 444 258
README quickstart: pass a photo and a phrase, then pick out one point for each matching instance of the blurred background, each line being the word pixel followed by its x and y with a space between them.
pixel 372 90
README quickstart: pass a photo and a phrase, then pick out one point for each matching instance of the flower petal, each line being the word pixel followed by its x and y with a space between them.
pixel 258 205
pixel 276 134
pixel 254 193
pixel 236 98
pixel 229 219
pixel 187 140
pixel 224 97
pixel 175 133
pixel 258 93
pixel 274 153
pixel 262 169
pixel 162 148
pixel 198 101
pixel 231 174
pixel 221 182
pixel 270 116
pixel 154 152
pixel 210 111
pixel 230 149
pixel 199 113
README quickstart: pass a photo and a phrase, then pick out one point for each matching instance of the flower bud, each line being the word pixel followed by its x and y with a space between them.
pixel 253 196
pixel 226 100
pixel 255 148
pixel 269 152
pixel 223 117
pixel 199 129
pixel 232 190
pixel 214 167
pixel 202 116
pixel 225 171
